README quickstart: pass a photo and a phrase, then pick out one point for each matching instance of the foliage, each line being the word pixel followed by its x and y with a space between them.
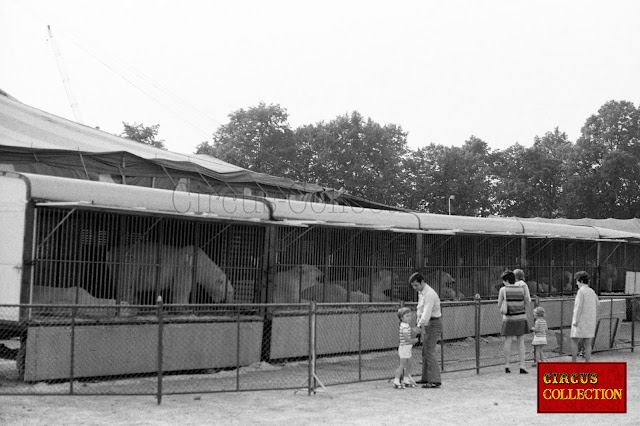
pixel 257 139
pixel 438 173
pixel 529 181
pixel 604 169
pixel 143 134
pixel 358 155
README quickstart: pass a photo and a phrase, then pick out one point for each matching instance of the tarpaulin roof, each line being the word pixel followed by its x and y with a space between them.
pixel 34 141
pixel 622 225
pixel 24 126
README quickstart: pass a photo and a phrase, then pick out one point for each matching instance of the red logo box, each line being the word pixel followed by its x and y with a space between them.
pixel 582 387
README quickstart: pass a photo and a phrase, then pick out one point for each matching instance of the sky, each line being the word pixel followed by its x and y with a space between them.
pixel 503 71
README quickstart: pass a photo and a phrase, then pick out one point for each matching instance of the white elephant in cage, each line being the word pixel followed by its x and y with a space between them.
pixel 151 266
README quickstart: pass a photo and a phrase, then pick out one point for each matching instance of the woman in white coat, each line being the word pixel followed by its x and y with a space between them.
pixel 585 314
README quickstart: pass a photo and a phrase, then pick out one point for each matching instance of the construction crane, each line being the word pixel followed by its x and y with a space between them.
pixel 65 78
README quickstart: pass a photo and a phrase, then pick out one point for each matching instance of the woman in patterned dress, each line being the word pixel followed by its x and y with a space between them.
pixel 514 321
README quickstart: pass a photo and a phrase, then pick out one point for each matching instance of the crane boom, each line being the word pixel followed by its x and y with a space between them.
pixel 75 108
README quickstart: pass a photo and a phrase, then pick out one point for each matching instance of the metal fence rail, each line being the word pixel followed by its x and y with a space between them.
pixel 183 349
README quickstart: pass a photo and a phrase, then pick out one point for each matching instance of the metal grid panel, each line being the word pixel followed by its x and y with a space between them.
pixel 552 263
pixel 340 265
pixel 462 266
pixel 613 267
pixel 69 257
pixel 103 258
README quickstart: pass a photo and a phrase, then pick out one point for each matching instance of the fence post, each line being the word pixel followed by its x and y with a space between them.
pixel 419 335
pixel 561 325
pixel 312 346
pixel 441 342
pixel 238 348
pixel 359 343
pixel 478 312
pixel 160 333
pixel 611 342
pixel 633 322
pixel 74 312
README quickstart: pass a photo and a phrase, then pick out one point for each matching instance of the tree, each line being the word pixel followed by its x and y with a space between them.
pixel 604 170
pixel 510 184
pixel 257 139
pixel 436 172
pixel 427 192
pixel 530 181
pixel 143 134
pixel 361 156
pixel 475 191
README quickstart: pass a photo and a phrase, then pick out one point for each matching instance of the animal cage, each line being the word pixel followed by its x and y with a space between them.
pixel 615 259
pixel 338 265
pixel 552 263
pixel 135 258
pixel 461 266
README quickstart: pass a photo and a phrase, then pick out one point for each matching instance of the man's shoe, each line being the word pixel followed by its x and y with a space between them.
pixel 431 385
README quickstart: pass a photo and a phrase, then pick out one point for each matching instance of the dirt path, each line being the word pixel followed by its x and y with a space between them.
pixel 489 398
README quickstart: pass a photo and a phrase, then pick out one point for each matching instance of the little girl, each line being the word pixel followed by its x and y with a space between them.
pixel 539 335
pixel 404 351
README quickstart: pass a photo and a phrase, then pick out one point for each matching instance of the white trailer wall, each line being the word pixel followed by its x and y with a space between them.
pixel 13 204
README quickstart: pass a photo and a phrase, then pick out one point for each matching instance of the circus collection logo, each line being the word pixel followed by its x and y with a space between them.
pixel 572 387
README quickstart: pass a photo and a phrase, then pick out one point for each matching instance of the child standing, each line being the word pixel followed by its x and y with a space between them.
pixel 404 351
pixel 539 335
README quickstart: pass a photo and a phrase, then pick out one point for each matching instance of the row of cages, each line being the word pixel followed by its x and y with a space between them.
pixel 104 258
pixel 295 348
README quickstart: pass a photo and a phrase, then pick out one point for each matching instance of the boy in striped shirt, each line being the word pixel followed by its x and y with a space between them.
pixel 404 351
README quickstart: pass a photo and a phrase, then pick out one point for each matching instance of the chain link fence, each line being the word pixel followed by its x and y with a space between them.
pixel 183 349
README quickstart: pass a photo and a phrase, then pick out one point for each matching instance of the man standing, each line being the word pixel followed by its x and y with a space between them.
pixel 429 321
pixel 585 313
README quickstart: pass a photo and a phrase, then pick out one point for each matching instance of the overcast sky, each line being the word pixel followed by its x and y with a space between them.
pixel 503 71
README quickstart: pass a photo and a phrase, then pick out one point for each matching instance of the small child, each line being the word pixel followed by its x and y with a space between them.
pixel 404 351
pixel 539 335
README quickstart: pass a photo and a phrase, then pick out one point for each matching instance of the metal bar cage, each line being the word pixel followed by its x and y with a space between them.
pixel 99 257
pixel 103 258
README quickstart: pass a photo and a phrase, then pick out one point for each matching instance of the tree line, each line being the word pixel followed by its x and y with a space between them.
pixel 597 176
